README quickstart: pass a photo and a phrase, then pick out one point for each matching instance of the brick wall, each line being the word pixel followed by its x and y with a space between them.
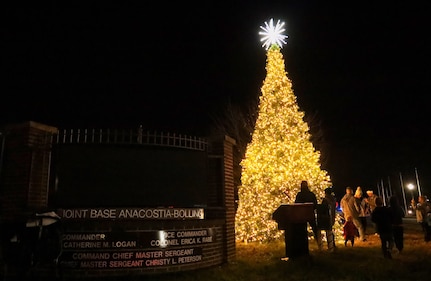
pixel 25 190
pixel 25 169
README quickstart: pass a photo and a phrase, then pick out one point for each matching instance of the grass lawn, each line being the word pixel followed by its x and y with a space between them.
pixel 364 261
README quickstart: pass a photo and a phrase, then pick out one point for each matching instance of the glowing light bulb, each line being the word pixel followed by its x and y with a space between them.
pixel 272 34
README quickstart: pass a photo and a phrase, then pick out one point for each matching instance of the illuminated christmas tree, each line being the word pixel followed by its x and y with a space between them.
pixel 280 154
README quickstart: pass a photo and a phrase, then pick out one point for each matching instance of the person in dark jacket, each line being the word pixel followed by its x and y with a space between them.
pixel 306 196
pixel 397 222
pixel 331 203
pixel 382 217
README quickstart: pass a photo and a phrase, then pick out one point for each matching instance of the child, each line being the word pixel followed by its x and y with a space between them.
pixel 349 231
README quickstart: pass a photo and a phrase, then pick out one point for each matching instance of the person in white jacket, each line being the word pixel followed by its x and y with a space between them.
pixel 351 207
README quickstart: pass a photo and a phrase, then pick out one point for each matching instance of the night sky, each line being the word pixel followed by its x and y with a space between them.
pixel 361 71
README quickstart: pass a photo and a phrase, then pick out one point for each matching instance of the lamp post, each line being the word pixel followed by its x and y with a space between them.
pixel 411 186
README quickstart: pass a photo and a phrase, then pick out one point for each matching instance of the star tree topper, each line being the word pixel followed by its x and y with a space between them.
pixel 272 34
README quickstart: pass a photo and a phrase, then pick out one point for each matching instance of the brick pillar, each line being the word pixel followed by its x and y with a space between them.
pixel 24 176
pixel 229 197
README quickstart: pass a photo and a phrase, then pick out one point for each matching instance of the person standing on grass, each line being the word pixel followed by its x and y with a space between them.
pixel 330 201
pixel 364 210
pixel 423 210
pixel 306 196
pixel 382 217
pixel 350 231
pixel 371 200
pixel 351 207
pixel 397 222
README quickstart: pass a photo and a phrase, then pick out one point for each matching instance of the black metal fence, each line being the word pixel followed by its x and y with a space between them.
pixel 132 136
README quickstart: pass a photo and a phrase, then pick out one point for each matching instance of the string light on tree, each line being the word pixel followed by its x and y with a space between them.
pixel 280 154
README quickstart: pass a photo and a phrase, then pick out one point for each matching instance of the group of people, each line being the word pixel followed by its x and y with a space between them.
pixel 387 220
pixel 329 203
pixel 358 211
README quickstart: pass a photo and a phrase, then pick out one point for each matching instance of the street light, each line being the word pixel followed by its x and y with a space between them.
pixel 411 186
